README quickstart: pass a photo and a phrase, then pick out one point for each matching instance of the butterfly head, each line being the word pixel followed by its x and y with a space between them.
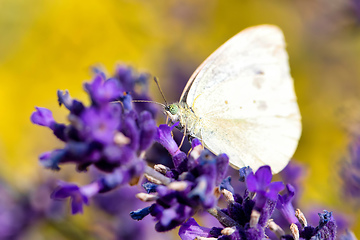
pixel 172 111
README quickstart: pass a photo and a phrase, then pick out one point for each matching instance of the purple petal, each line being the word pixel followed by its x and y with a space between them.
pixel 52 159
pixel 42 117
pixel 251 182
pixel 112 88
pixel 167 216
pixel 45 155
pixel 180 161
pixel 226 184
pixel 222 163
pixel 140 214
pixel 125 76
pixel 131 131
pixel 98 80
pixel 273 190
pixel 255 232
pixel 195 142
pixel 64 190
pixel 148 130
pixel 162 190
pixel 75 107
pixel 101 124
pixel 73 191
pixel 127 101
pixel 263 176
pixel 64 98
pixel 103 91
pixel 149 187
pixel 244 172
pixel 285 206
pixel 191 229
pixel 291 191
pixel 76 207
pixel 200 189
pixel 164 138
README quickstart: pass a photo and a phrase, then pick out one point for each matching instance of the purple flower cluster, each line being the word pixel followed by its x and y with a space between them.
pixel 109 134
pixel 192 183
pixel 114 137
pixel 248 216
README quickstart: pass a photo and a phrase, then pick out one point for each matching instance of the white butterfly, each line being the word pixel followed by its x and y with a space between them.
pixel 241 101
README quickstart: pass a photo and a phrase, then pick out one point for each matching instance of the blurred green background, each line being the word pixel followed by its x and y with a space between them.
pixel 46 45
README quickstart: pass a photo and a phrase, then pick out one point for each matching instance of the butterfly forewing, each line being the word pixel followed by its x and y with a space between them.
pixel 244 97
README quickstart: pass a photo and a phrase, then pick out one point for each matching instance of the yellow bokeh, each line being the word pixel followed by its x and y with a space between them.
pixel 46 45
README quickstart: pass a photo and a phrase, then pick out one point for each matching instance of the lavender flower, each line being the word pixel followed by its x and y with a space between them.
pixel 193 182
pixel 109 134
pixel 285 206
pixel 103 90
pixel 113 136
pixel 251 219
pixel 191 230
pixel 43 117
pixel 137 86
pixel 78 197
pixel 260 183
pixel 192 191
pixel 293 174
pixel 325 230
pixel 165 139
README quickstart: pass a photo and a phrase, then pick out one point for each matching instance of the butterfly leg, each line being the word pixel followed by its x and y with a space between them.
pixel 167 122
pixel 190 138
pixel 183 138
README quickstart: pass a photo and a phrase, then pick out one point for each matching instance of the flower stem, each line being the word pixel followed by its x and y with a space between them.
pixel 223 218
pixel 150 171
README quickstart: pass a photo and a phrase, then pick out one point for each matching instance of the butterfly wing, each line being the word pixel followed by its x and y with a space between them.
pixel 244 96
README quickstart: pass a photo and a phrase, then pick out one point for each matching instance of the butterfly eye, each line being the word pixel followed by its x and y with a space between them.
pixel 173 109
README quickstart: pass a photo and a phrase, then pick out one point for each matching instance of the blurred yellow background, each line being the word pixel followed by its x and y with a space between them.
pixel 46 45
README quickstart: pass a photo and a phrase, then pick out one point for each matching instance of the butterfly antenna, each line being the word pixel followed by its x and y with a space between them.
pixel 158 85
pixel 147 101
